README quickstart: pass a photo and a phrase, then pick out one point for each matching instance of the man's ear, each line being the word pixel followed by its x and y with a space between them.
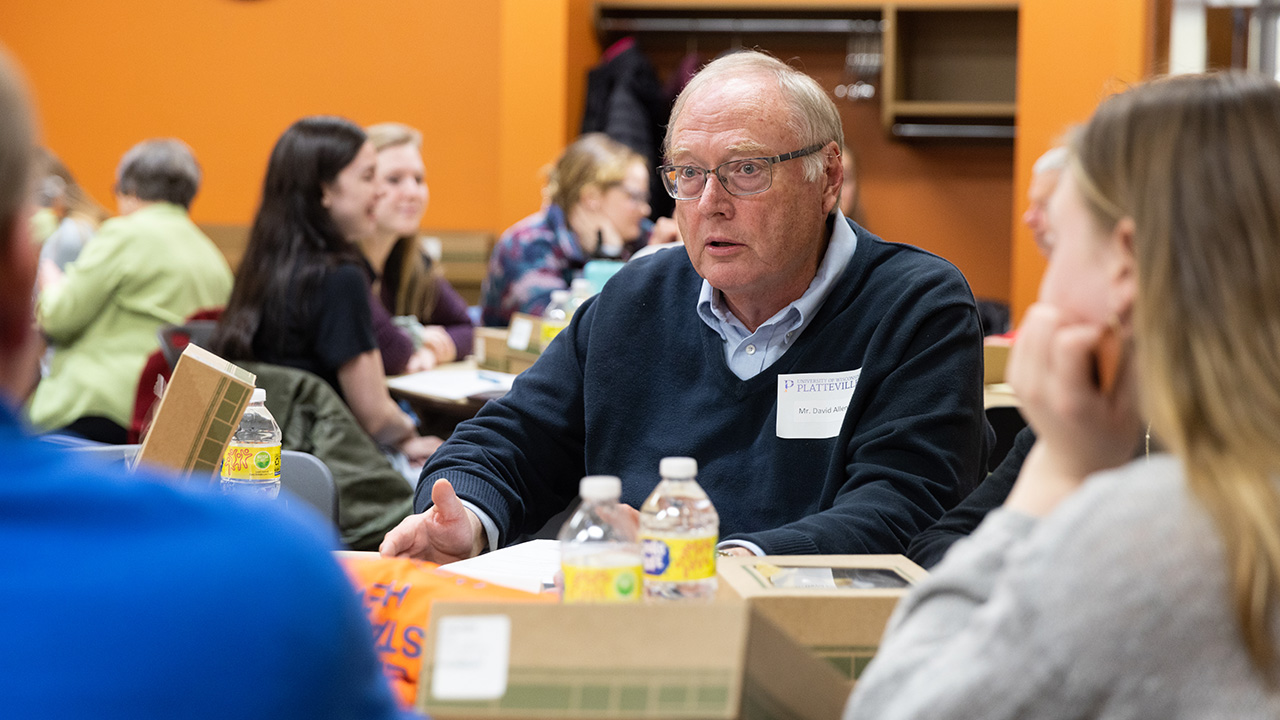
pixel 832 176
pixel 1123 270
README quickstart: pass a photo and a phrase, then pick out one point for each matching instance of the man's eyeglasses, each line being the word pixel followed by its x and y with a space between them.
pixel 748 176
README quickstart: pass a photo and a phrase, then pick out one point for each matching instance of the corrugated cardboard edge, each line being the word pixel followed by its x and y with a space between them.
pixel 591 662
pixel 221 413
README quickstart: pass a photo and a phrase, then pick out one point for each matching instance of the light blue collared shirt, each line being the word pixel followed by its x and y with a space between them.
pixel 748 354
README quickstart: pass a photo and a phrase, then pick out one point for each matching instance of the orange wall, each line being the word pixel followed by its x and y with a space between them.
pixel 229 76
pixel 497 88
pixel 1071 54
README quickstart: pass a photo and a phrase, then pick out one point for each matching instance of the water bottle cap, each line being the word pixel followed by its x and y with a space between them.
pixel 259 395
pixel 678 467
pixel 582 285
pixel 600 487
pixel 559 296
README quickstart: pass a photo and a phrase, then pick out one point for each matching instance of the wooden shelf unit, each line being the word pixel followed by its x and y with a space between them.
pixel 946 62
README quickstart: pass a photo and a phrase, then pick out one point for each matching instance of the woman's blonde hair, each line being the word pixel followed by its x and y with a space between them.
pixel 419 279
pixel 1193 161
pixel 79 202
pixel 593 160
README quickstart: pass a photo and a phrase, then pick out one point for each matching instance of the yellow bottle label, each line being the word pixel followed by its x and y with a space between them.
pixel 678 559
pixel 595 584
pixel 550 329
pixel 253 463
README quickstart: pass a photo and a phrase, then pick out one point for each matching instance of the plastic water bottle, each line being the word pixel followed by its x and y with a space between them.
pixel 580 290
pixel 599 555
pixel 251 464
pixel 556 317
pixel 678 532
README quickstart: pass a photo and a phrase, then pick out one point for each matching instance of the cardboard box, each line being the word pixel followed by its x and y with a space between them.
pixel 721 660
pixel 524 333
pixel 490 350
pixel 518 361
pixel 995 359
pixel 840 624
pixel 198 413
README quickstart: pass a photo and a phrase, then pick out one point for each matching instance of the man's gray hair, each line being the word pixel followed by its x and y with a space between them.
pixel 159 170
pixel 17 139
pixel 813 118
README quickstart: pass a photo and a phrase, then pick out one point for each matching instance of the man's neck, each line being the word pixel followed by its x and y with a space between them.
pixel 753 310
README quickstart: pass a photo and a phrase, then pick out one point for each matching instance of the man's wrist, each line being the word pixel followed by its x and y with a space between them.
pixel 479 539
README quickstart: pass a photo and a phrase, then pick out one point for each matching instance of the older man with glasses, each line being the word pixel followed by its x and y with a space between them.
pixel 828 383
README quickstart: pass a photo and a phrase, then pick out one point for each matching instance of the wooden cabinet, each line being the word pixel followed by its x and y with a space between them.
pixel 950 71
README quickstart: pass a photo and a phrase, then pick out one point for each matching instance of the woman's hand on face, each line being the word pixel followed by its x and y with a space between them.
pixel 595 232
pixel 665 231
pixel 1079 429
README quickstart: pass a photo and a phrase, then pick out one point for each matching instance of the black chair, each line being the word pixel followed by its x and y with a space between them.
pixel 173 338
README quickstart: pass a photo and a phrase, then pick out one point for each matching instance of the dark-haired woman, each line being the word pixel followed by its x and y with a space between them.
pixel 301 296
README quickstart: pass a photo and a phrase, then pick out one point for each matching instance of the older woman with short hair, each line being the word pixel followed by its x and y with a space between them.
pixel 148 267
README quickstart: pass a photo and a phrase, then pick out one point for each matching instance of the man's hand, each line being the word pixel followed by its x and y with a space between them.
pixel 444 533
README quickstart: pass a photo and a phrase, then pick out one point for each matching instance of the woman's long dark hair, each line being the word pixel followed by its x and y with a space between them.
pixel 294 241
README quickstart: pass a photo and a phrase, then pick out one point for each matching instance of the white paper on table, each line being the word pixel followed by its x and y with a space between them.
pixel 471 657
pixel 530 566
pixel 451 384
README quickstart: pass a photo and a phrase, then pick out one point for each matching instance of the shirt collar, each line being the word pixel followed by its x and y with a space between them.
pixel 715 313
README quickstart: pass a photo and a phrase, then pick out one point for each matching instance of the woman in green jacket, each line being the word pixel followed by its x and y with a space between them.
pixel 148 267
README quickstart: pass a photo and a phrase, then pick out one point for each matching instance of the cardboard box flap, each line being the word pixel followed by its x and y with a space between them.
pixel 200 410
pixel 783 680
pixel 838 616
pixel 609 661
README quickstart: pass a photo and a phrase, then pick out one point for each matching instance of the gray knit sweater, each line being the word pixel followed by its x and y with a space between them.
pixel 1115 606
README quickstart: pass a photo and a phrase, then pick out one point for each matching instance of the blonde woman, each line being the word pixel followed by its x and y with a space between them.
pixel 597 207
pixel 1108 587
pixel 71 214
pixel 406 283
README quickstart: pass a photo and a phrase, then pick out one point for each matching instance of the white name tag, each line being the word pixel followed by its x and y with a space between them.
pixel 813 405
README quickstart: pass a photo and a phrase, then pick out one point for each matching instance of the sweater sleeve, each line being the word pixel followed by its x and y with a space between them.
pixel 450 313
pixel 65 310
pixel 914 439
pixel 395 344
pixel 929 547
pixel 520 459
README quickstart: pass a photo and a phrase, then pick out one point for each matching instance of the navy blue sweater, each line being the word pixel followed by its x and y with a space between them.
pixel 638 376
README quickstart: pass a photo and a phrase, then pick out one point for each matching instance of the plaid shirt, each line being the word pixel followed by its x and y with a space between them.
pixel 535 256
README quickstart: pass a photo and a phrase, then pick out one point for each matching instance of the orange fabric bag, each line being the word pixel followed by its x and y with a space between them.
pixel 397 594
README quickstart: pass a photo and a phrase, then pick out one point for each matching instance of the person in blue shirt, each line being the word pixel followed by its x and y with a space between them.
pixel 828 383
pixel 131 597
